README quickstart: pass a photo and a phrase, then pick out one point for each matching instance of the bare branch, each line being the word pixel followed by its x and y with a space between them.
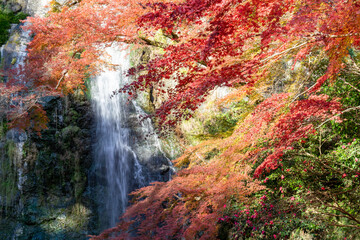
pixel 345 111
pixel 62 77
pixel 153 43
pixel 285 51
pixel 351 85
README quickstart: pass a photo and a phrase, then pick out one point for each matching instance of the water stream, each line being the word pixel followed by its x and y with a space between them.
pixel 116 162
pixel 17 53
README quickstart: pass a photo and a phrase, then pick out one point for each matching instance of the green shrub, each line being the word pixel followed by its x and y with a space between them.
pixel 6 19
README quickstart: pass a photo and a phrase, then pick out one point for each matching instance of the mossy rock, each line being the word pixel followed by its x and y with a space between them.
pixel 7 17
pixel 69 132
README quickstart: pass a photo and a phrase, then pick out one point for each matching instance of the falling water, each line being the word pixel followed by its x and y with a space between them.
pixel 17 51
pixel 116 161
pixel 152 143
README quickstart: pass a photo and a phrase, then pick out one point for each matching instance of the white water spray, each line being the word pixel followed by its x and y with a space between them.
pixel 113 155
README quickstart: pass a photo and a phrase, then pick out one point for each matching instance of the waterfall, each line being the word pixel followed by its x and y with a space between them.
pixel 15 52
pixel 116 162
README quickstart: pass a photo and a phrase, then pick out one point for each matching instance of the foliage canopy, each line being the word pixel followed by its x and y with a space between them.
pixel 239 44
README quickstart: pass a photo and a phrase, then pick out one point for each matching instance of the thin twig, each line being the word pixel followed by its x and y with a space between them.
pixel 351 85
pixel 201 158
pixel 62 77
pixel 339 36
pixel 285 51
pixel 347 110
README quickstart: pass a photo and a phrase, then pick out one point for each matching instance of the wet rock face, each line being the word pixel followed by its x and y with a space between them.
pixel 53 201
pixel 147 145
pixel 14 6
pixel 16 136
pixel 14 49
pixel 32 7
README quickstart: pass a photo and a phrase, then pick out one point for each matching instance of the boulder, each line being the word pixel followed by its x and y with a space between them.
pixel 15 7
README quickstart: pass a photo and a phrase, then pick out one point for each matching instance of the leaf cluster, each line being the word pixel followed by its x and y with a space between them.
pixel 6 19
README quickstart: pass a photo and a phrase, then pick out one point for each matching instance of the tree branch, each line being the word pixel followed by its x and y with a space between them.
pixel 285 51
pixel 347 110
pixel 153 43
pixel 351 85
pixel 332 35
pixel 62 77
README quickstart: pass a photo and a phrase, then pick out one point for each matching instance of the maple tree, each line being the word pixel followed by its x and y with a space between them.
pixel 210 43
pixel 230 43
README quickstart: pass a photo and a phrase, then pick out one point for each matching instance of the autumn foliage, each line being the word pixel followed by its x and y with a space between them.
pixel 231 43
pixel 210 44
